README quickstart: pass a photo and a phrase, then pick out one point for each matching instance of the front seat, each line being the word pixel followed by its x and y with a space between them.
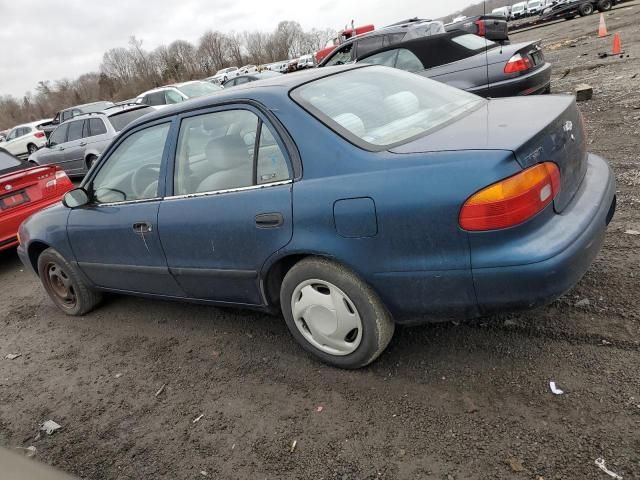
pixel 228 157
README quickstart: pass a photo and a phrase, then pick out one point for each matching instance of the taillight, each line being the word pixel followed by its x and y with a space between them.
pixel 38 134
pixel 60 183
pixel 482 29
pixel 517 63
pixel 513 200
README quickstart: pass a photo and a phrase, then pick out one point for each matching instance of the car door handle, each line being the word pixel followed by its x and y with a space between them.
pixel 60 149
pixel 83 144
pixel 142 227
pixel 269 220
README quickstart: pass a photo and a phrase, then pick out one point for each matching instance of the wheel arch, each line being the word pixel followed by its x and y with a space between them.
pixel 276 268
pixel 34 250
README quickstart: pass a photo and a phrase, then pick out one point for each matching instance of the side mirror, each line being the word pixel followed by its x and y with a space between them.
pixel 75 198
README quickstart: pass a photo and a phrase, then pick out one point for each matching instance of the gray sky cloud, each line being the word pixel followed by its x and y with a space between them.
pixel 54 39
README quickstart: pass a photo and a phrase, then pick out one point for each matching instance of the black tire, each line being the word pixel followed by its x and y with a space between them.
pixel 32 148
pixel 377 324
pixel 585 9
pixel 90 161
pixel 65 285
pixel 604 5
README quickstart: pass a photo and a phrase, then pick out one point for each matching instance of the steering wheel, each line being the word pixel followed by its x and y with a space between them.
pixel 144 180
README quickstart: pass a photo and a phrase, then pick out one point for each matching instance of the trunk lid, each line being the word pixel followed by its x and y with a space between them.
pixel 26 186
pixel 548 128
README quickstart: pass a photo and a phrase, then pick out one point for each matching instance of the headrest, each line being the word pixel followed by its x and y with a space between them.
pixel 401 104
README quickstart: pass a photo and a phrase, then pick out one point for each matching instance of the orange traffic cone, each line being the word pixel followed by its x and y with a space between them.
pixel 602 29
pixel 617 44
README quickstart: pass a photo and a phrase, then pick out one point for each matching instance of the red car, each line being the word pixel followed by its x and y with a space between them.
pixel 24 190
pixel 342 37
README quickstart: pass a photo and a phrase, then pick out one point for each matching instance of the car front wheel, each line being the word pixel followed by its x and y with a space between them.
pixel 333 314
pixel 65 285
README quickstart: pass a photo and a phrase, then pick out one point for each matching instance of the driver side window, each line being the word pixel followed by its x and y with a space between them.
pixel 342 56
pixel 132 171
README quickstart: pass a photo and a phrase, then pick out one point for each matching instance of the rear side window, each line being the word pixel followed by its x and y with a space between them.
pixel 217 151
pixel 377 107
pixel 155 98
pixel 7 161
pixel 388 58
pixel 121 120
pixel 172 97
pixel 407 61
pixel 96 127
pixel 75 130
pixel 367 45
pixel 393 38
pixel 66 115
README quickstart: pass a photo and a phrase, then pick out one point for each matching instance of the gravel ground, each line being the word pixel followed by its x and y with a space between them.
pixel 445 401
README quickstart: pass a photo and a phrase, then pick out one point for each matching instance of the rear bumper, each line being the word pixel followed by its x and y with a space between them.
pixel 561 251
pixel 530 84
pixel 10 222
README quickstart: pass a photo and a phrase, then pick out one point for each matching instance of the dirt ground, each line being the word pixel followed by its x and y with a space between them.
pixel 466 401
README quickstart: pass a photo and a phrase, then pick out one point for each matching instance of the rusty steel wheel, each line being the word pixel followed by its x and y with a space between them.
pixel 65 284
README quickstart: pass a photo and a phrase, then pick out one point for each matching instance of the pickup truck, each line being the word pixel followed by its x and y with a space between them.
pixel 492 27
pixel 69 113
pixel 571 8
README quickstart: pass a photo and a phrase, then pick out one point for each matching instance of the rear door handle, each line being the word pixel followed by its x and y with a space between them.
pixel 60 149
pixel 83 144
pixel 269 220
pixel 142 227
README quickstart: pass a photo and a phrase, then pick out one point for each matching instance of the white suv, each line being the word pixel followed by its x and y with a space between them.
pixel 177 93
pixel 24 140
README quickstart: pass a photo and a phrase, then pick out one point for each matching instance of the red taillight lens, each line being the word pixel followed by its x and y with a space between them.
pixel 517 63
pixel 482 30
pixel 513 200
pixel 38 134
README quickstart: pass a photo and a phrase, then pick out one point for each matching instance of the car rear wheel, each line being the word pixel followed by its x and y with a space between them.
pixel 333 314
pixel 31 148
pixel 604 5
pixel 64 284
pixel 585 9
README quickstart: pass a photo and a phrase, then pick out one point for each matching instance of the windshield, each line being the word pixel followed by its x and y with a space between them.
pixel 121 120
pixel 517 7
pixel 380 106
pixel 7 161
pixel 199 89
pixel 533 4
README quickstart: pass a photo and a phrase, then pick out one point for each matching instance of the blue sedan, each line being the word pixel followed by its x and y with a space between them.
pixel 351 199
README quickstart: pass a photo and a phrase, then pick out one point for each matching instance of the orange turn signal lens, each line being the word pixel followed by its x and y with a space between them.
pixel 513 200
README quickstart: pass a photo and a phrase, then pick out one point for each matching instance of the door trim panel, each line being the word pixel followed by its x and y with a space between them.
pixel 213 272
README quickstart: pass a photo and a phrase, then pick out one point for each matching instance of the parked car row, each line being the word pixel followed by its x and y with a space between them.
pixel 553 8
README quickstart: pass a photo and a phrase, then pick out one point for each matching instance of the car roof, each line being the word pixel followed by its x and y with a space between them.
pixel 30 124
pixel 110 111
pixel 287 82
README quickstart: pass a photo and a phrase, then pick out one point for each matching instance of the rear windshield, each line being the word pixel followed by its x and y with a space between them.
pixel 473 42
pixel 379 107
pixel 199 89
pixel 121 120
pixel 7 161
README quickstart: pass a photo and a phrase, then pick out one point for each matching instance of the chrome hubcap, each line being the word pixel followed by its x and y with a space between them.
pixel 326 317
pixel 61 285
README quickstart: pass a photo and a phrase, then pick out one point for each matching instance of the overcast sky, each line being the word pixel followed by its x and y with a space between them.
pixel 54 39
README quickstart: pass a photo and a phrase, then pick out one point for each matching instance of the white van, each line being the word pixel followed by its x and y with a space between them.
pixel 519 10
pixel 503 11
pixel 535 7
